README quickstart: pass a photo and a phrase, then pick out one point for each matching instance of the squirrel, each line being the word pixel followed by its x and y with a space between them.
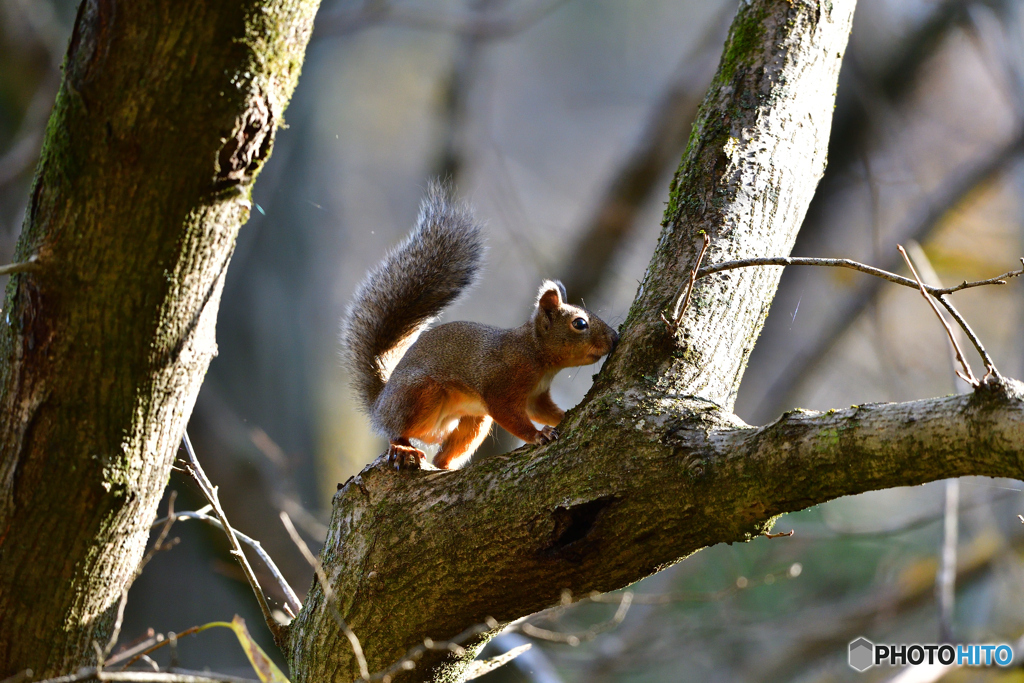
pixel 445 385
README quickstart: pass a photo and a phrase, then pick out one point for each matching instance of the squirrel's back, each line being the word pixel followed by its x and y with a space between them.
pixel 418 279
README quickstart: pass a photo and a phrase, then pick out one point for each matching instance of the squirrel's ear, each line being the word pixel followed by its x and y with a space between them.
pixel 551 295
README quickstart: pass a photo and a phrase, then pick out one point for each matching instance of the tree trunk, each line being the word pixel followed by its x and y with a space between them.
pixel 166 113
pixel 651 466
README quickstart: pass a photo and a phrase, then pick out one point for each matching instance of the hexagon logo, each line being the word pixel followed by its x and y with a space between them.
pixel 862 654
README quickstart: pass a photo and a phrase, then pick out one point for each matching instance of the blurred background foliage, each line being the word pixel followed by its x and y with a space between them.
pixel 562 122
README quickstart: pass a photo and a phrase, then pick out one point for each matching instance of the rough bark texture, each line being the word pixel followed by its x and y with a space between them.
pixel 651 466
pixel 166 113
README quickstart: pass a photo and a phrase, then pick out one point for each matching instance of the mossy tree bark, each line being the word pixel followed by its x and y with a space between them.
pixel 652 466
pixel 165 116
pixel 166 113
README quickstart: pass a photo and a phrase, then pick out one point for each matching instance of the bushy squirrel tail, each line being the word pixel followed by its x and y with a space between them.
pixel 403 294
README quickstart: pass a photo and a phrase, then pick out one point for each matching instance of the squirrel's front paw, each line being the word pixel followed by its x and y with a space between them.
pixel 547 435
pixel 403 457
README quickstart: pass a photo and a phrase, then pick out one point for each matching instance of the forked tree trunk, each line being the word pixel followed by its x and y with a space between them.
pixel 166 113
pixel 629 487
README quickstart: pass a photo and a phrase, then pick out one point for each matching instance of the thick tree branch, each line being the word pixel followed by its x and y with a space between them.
pixel 645 474
pixel 642 483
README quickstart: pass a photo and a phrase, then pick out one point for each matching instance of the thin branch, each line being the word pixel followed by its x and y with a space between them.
pixel 20 267
pixel 574 639
pixel 146 646
pixel 179 676
pixel 967 375
pixel 153 644
pixel 623 600
pixel 292 600
pixel 210 493
pixel 481 667
pixel 414 654
pixel 930 293
pixel 854 265
pixel 332 602
pixel 989 365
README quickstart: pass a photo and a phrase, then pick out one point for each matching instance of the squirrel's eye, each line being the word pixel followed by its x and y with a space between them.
pixel 579 324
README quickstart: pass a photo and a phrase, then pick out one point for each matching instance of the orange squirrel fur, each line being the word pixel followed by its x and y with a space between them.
pixel 445 385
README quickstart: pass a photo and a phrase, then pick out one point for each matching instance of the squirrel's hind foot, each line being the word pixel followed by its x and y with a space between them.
pixel 547 435
pixel 404 456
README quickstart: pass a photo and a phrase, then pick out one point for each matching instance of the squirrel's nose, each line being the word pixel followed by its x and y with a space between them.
pixel 615 341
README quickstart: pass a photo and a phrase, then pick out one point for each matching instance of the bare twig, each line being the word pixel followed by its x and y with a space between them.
pixel 179 676
pixel 172 645
pixel 481 667
pixel 853 265
pixel 953 189
pixel 146 659
pixel 153 644
pixel 781 534
pixel 967 375
pixel 413 655
pixel 930 293
pixel 210 493
pixel 990 366
pixel 147 645
pixel 684 299
pixel 623 600
pixel 574 639
pixel 20 267
pixel 291 599
pixel 329 596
